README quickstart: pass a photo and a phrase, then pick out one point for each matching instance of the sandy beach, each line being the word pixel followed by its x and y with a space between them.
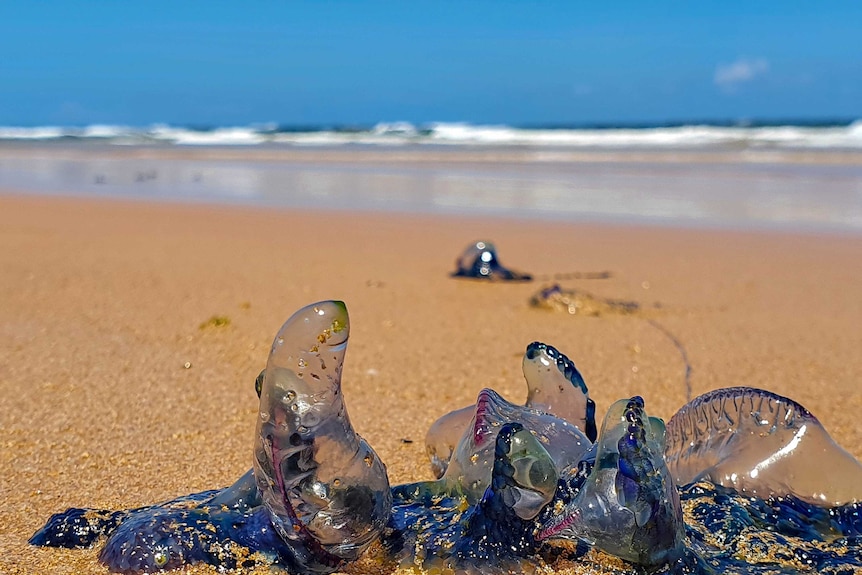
pixel 116 389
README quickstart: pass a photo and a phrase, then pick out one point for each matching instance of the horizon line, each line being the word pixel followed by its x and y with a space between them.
pixel 298 127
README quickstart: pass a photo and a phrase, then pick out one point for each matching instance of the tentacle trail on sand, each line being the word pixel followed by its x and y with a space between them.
pixel 681 348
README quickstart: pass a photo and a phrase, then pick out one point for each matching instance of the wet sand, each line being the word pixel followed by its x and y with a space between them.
pixel 748 188
pixel 116 390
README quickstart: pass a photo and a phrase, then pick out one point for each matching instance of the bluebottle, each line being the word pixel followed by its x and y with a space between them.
pixel 480 261
pixel 554 386
pixel 629 505
pixel 468 471
pixel 324 486
pixel 317 496
pixel 760 444
pixel 444 532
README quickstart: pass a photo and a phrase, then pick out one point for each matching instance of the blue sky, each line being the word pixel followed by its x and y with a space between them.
pixel 206 63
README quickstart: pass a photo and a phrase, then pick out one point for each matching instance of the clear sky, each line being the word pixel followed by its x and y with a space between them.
pixel 187 62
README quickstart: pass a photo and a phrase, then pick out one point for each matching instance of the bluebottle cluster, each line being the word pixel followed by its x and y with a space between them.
pixel 740 480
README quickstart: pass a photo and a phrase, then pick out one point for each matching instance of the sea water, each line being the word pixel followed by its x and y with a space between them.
pixel 794 177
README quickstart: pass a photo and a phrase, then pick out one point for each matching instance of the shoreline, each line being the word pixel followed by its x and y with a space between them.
pixel 588 220
pixel 429 154
pixel 103 302
pixel 742 189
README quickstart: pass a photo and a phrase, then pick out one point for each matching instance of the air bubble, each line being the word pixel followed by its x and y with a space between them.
pixel 320 490
pixel 289 396
pixel 302 362
pixel 279 341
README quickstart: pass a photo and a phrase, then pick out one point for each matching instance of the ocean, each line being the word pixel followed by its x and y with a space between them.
pixel 838 134
pixel 795 176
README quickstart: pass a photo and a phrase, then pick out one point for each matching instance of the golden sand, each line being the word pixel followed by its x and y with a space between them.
pixel 131 334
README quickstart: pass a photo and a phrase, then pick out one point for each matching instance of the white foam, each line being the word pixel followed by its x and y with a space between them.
pixel 233 136
pixel 464 134
pixel 403 129
pixel 468 134
pixel 672 137
pixel 105 131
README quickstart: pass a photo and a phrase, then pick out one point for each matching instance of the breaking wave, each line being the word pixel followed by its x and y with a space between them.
pixel 844 135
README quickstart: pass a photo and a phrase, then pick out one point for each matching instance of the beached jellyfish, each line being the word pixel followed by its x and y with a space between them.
pixel 761 444
pixel 443 532
pixel 628 505
pixel 480 261
pixel 469 469
pixel 318 478
pixel 519 479
pixel 554 386
pixel 317 497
